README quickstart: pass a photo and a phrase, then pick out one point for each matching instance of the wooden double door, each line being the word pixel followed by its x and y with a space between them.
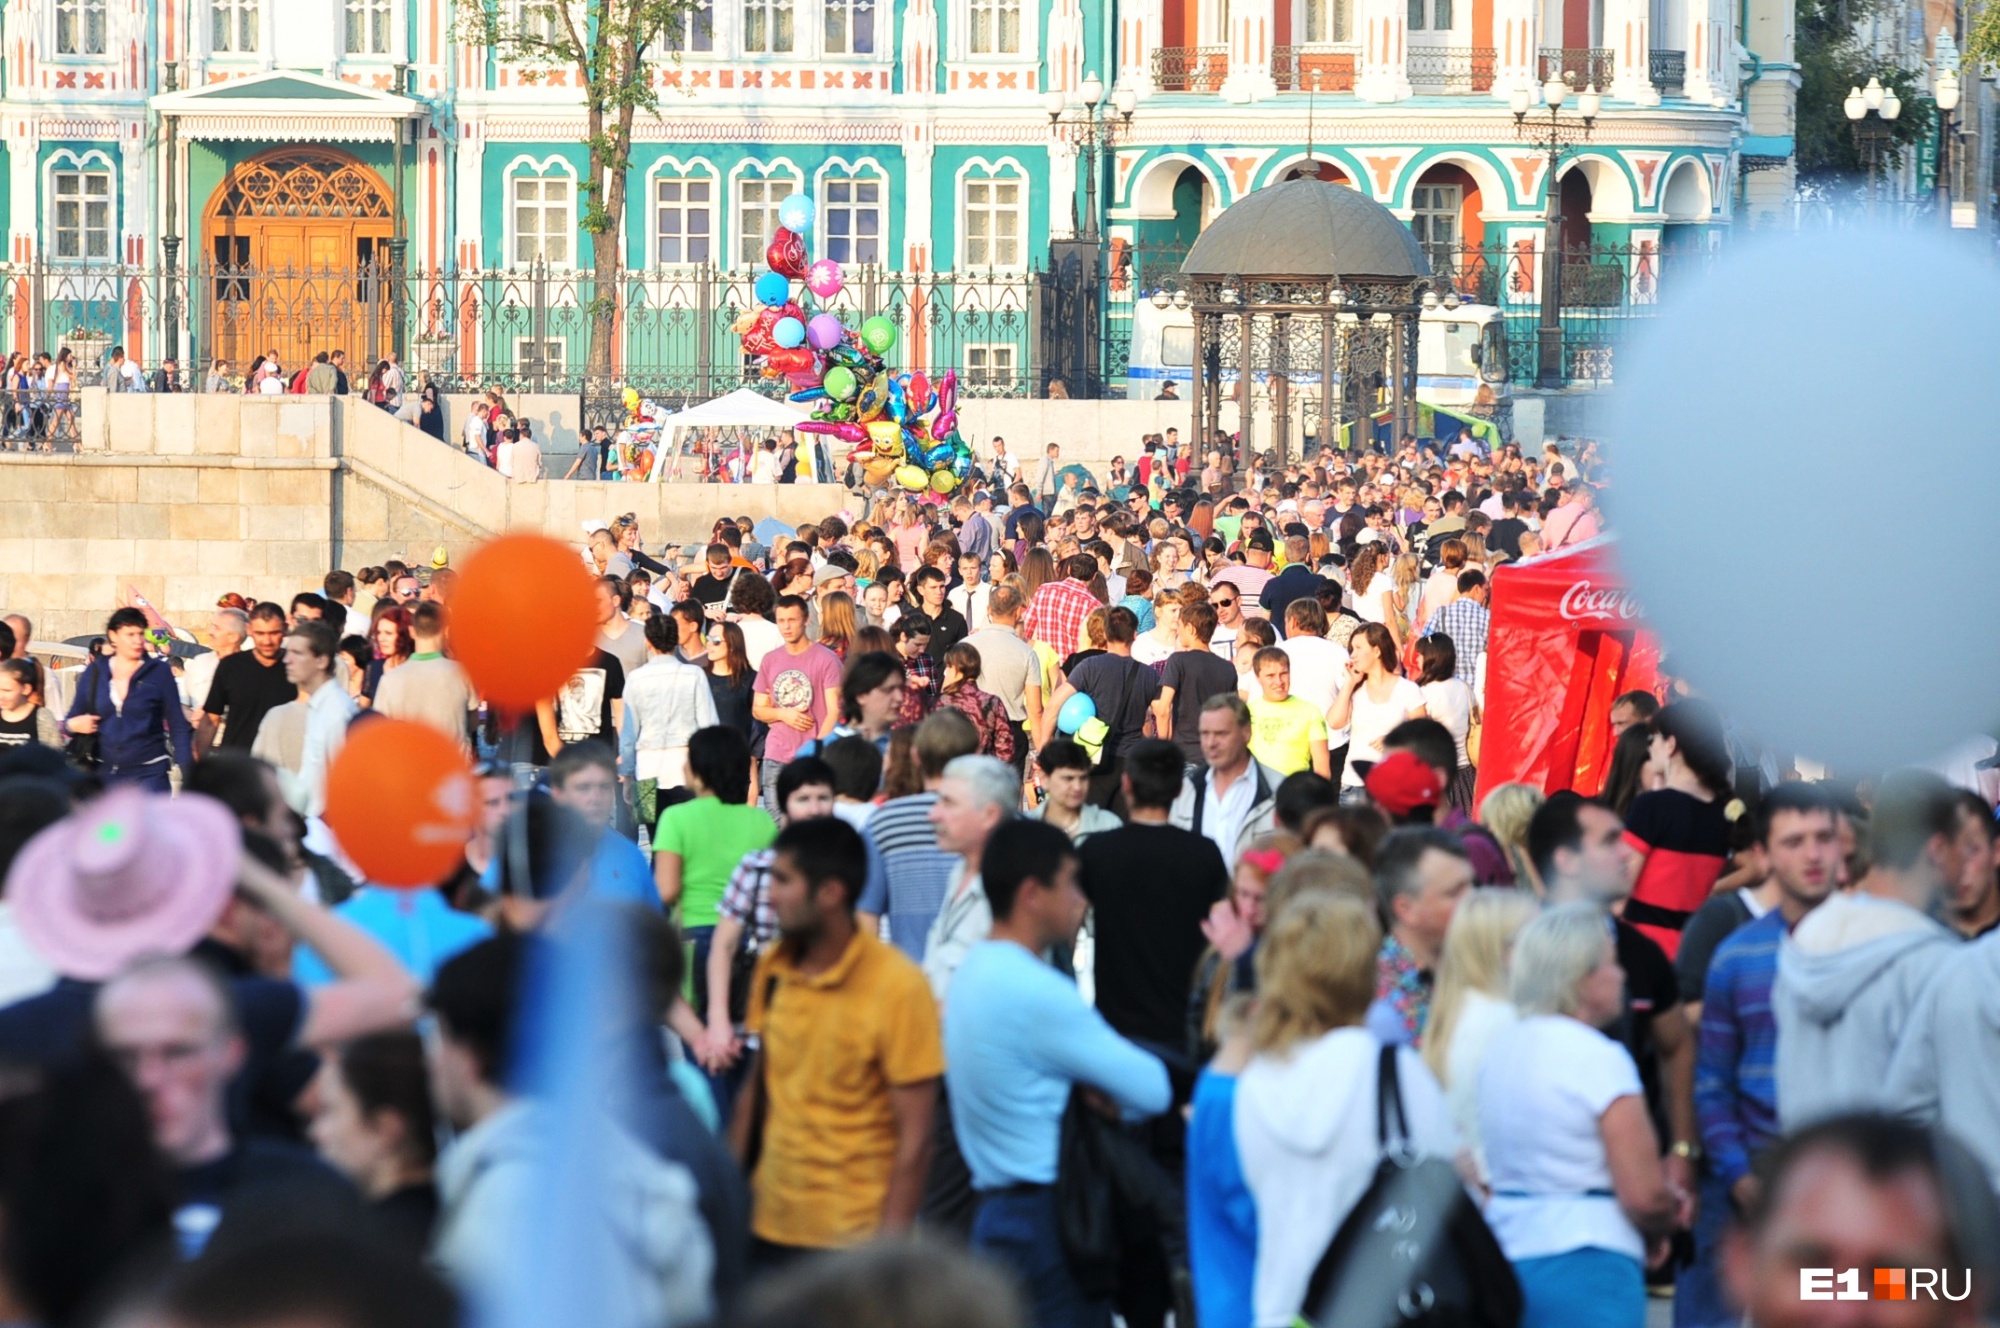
pixel 299 239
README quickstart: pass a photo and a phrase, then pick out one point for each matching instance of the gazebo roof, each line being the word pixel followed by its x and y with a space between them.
pixel 1307 228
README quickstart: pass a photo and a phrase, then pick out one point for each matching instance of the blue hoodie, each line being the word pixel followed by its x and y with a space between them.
pixel 138 733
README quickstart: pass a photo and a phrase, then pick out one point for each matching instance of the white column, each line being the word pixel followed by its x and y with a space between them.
pixel 1252 25
pixel 1384 74
pixel 918 230
pixel 1062 188
pixel 1706 51
pixel 135 201
pixel 920 49
pixel 1138 37
pixel 1628 31
pixel 24 142
pixel 468 163
pixel 1516 29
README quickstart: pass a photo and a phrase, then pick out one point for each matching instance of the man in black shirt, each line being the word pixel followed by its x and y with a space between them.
pixel 712 586
pixel 1152 884
pixel 590 706
pixel 948 625
pixel 1192 674
pixel 1297 581
pixel 1122 691
pixel 1505 537
pixel 248 684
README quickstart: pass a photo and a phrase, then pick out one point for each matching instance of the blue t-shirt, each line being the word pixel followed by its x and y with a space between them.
pixel 1221 1215
pixel 417 926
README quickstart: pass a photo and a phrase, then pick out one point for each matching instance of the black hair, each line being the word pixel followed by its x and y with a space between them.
pixel 1021 850
pixel 1629 755
pixel 236 779
pixel 474 995
pixel 122 618
pixel 385 1072
pixel 911 623
pixel 577 756
pixel 924 575
pixel 803 772
pixel 1798 798
pixel 1302 793
pixel 827 849
pixel 340 1280
pixel 1427 740
pixel 1155 768
pixel 1121 625
pixel 865 673
pixel 666 637
pixel 1396 860
pixel 720 757
pixel 1696 729
pixel 1556 824
pixel 1064 754
pixel 857 767
pixel 1911 808
pixel 28 806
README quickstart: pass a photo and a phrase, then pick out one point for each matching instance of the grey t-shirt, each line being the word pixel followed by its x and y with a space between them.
pixel 1006 664
pixel 629 648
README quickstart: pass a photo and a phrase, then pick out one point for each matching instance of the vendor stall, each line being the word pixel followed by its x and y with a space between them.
pixel 736 419
pixel 1566 640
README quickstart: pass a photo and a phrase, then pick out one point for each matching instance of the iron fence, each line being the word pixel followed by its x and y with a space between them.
pixel 1453 68
pixel 1667 69
pixel 1190 68
pixel 1319 67
pixel 673 332
pixel 1585 66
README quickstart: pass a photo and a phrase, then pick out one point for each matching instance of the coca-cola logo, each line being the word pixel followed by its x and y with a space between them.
pixel 1585 602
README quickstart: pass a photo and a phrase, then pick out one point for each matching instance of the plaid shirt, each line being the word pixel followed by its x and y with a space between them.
pixel 1465 621
pixel 920 689
pixel 1056 613
pixel 747 899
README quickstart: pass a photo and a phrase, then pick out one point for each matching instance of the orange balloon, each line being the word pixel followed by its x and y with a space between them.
pixel 523 619
pixel 399 797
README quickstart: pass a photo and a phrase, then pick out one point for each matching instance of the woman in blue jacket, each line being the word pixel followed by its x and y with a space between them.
pixel 131 703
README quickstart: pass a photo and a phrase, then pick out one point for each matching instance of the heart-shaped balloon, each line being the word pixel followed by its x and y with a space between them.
pixel 786 253
pixel 789 359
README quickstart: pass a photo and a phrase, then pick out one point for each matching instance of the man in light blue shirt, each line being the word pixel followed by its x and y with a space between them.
pixel 1017 1037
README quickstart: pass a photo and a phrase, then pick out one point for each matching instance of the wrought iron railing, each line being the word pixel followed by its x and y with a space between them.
pixel 1667 69
pixel 1190 68
pixel 1585 66
pixel 1316 67
pixel 1453 68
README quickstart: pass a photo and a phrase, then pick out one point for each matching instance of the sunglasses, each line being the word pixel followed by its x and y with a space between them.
pixel 1221 603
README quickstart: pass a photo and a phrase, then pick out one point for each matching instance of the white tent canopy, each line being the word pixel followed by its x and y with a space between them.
pixel 741 409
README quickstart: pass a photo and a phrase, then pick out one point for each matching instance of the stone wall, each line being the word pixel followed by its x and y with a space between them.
pixel 186 498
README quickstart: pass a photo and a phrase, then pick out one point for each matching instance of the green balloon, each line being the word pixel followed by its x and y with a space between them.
pixel 839 383
pixel 878 334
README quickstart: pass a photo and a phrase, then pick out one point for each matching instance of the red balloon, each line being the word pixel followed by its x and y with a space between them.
pixel 523 619
pixel 399 797
pixel 786 253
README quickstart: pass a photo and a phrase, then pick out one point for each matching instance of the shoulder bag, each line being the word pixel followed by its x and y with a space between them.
pixel 1414 1251
pixel 82 748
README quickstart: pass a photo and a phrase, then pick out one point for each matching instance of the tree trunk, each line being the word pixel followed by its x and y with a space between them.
pixel 604 254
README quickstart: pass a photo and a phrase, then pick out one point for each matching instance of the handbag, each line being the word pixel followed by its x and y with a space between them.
pixel 1414 1251
pixel 82 748
pixel 1110 1195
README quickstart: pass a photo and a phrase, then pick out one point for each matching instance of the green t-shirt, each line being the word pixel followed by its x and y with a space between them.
pixel 711 837
pixel 1281 732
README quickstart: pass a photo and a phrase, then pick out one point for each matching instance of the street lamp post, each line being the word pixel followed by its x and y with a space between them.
pixel 1945 92
pixel 1091 133
pixel 1553 134
pixel 1872 112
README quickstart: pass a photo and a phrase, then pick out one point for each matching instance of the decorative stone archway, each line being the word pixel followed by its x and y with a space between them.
pixel 299 240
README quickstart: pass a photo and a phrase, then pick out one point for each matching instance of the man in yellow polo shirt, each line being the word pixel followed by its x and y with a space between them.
pixel 850 1060
pixel 1287 733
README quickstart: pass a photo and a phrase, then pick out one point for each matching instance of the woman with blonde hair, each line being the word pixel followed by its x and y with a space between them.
pixel 1404 574
pixel 1306 1116
pixel 1470 1006
pixel 836 622
pixel 1581 1204
pixel 1442 586
pixel 1506 813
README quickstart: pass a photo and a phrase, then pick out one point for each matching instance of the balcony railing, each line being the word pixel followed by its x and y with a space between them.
pixel 1319 67
pixel 1452 68
pixel 1584 65
pixel 1190 68
pixel 1668 70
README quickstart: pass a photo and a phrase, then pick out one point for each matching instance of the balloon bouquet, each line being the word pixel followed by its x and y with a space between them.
pixel 639 437
pixel 903 427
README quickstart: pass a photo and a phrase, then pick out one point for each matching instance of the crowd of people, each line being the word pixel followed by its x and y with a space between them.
pixel 1030 908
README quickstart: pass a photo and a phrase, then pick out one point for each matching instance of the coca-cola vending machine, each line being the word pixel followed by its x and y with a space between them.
pixel 1566 640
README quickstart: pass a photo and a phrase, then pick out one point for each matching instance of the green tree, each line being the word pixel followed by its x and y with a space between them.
pixel 1832 62
pixel 604 45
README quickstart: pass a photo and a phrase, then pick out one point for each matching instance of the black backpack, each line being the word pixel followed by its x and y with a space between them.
pixel 1414 1252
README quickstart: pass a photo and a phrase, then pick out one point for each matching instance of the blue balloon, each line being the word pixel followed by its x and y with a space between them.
pixel 795 213
pixel 788 332
pixel 773 288
pixel 1075 713
pixel 808 394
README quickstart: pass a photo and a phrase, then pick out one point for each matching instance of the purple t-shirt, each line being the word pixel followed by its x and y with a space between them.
pixel 800 682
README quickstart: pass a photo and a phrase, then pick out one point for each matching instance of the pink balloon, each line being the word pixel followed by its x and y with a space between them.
pixel 825 278
pixel 852 433
pixel 947 393
pixel 824 331
pixel 944 424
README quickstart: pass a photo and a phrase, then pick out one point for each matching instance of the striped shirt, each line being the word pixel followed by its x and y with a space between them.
pixel 1735 1068
pixel 916 871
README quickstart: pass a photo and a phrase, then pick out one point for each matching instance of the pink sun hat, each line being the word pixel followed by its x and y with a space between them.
pixel 131 874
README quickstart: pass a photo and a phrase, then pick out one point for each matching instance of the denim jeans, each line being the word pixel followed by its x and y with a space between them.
pixel 1699 1301
pixel 1017 1228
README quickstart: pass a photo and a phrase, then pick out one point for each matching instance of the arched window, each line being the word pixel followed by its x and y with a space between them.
pixel 853 216
pixel 82 208
pixel 993 207
pixel 757 199
pixel 541 213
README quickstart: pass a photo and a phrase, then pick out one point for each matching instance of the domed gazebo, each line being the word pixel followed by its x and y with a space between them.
pixel 1306 280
